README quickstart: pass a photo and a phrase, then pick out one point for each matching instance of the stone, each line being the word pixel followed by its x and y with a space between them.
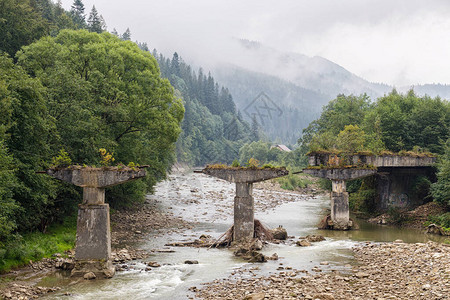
pixel 324 263
pixel 362 275
pixel 89 276
pixel 257 257
pixel 279 233
pixel 153 264
pixel 257 296
pixel 314 238
pixel 109 273
pixel 303 243
pixel 191 262
pixel 258 245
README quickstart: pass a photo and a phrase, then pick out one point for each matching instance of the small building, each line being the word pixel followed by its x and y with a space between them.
pixel 283 148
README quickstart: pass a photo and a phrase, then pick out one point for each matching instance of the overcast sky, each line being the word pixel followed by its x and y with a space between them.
pixel 392 41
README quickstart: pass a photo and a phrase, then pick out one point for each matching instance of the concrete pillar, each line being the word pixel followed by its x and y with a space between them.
pixel 340 213
pixel 243 212
pixel 93 241
pixel 93 195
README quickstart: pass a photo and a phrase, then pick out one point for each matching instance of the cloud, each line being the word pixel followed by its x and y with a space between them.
pixel 397 42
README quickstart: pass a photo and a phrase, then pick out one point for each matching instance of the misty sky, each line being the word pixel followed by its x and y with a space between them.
pixel 392 41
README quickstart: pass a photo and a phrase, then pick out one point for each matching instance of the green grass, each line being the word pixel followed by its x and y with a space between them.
pixel 293 181
pixel 20 249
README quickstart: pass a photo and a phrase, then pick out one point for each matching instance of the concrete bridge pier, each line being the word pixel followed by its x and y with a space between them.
pixel 340 212
pixel 93 240
pixel 244 221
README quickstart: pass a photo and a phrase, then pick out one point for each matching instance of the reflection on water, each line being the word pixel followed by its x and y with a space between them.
pixel 173 279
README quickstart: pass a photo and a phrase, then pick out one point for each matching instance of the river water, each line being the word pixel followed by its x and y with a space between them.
pixel 208 203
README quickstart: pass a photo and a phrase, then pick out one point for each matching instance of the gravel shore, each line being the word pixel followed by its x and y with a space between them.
pixel 384 271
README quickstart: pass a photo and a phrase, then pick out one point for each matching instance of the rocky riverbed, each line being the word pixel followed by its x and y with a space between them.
pixel 384 271
pixel 189 205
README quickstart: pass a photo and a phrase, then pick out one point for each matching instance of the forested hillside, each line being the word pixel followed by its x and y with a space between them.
pixel 213 130
pixel 296 106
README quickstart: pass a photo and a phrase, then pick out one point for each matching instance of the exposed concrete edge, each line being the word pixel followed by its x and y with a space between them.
pixel 340 174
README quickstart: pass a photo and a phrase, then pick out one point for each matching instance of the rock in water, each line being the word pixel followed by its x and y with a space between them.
pixel 89 276
pixel 303 243
pixel 279 233
pixel 191 262
pixel 258 245
pixel 314 238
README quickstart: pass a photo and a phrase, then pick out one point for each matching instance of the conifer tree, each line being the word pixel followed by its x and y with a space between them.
pixel 78 15
pixel 126 36
pixel 95 21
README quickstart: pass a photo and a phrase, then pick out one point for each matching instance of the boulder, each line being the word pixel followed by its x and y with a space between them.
pixel 191 262
pixel 279 233
pixel 303 243
pixel 89 276
pixel 314 238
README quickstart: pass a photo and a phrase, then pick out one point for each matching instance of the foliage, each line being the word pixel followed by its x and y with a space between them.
pixel 441 189
pixel 62 160
pixel 235 163
pixel 106 157
pixel 8 182
pixel 95 21
pixel 394 122
pixel 252 163
pixel 106 93
pixel 293 181
pixel 441 220
pixel 351 139
pixel 362 195
pixel 397 215
pixel 20 24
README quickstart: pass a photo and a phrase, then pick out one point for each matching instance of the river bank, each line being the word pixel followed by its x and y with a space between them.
pixel 384 271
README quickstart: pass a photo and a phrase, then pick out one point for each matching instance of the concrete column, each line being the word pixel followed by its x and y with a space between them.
pixel 243 212
pixel 340 213
pixel 93 233
pixel 93 195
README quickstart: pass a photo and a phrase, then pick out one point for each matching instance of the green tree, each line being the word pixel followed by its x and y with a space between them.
pixel 29 135
pixel 78 14
pixel 351 139
pixel 441 189
pixel 8 182
pixel 20 24
pixel 106 93
pixel 126 36
pixel 95 23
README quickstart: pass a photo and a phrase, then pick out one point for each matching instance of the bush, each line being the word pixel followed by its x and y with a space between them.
pixel 397 215
pixel 442 220
pixel 292 182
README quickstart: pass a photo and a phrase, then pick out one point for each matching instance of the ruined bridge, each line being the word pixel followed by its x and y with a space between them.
pixel 93 242
pixel 394 177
